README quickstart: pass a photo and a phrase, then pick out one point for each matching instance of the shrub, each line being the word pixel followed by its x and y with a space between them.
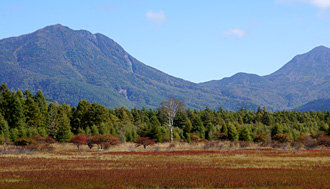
pixel 220 136
pixel 25 142
pixel 108 140
pixel 171 146
pixel 49 140
pixel 79 140
pixel 194 137
pixel 39 139
pixel 144 141
pixel 244 144
pixel 90 142
pixel 307 141
pixel 261 137
pixel 282 138
pixel 4 142
pixel 102 141
pixel 324 141
pixel 209 145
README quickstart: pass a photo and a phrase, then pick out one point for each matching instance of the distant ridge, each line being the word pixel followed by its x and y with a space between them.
pixel 71 65
pixel 305 78
pixel 315 105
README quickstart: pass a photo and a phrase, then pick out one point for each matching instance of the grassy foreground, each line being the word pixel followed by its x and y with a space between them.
pixel 121 167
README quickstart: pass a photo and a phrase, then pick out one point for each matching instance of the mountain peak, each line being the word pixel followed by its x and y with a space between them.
pixel 55 27
pixel 320 48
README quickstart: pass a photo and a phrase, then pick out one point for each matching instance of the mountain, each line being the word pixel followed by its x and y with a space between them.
pixel 305 78
pixel 71 65
pixel 315 105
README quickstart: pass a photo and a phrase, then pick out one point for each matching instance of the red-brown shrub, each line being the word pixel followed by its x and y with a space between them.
pixel 144 141
pixel 79 140
pixel 244 144
pixel 324 141
pixel 282 138
pixel 102 141
pixel 195 138
pixel 307 141
pixel 25 142
pixel 50 140
pixel 261 137
pixel 220 136
pixel 39 139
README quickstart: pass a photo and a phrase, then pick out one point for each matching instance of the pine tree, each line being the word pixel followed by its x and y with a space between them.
pixel 154 129
pixel 13 134
pixel 210 129
pixel 245 134
pixel 18 117
pixel 4 128
pixel 198 126
pixel 277 129
pixel 232 132
pixel 94 130
pixel 64 133
pixel 32 111
pixel 42 104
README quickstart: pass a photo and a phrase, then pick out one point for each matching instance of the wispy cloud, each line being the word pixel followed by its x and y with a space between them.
pixel 237 32
pixel 322 4
pixel 157 17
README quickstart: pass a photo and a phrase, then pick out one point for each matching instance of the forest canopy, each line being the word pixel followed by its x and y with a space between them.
pixel 23 114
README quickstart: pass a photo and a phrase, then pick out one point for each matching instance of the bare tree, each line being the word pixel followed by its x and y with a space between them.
pixel 171 107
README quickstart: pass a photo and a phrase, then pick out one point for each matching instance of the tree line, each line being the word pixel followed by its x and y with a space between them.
pixel 23 114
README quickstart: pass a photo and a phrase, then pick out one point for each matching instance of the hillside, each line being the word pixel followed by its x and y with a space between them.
pixel 305 78
pixel 70 65
pixel 315 105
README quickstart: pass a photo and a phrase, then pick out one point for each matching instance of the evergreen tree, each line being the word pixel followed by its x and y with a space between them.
pixel 4 128
pixel 94 130
pixel 154 129
pixel 6 100
pixel 18 117
pixel 13 134
pixel 232 132
pixel 198 126
pixel 187 128
pixel 64 133
pixel 32 111
pixel 244 134
pixel 42 104
pixel 210 129
pixel 277 129
pixel 80 117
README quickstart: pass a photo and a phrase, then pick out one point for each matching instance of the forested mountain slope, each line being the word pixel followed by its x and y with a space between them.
pixel 71 65
pixel 305 78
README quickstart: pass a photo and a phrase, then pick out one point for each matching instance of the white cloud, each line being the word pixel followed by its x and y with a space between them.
pixel 157 17
pixel 236 32
pixel 323 4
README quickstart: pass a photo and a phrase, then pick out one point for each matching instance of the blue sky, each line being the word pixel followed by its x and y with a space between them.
pixel 193 40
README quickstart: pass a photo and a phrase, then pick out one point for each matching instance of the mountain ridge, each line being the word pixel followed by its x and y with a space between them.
pixel 70 65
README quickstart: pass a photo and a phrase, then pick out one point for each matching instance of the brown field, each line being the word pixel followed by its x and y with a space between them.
pixel 183 166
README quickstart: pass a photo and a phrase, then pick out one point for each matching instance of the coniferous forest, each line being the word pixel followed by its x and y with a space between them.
pixel 23 114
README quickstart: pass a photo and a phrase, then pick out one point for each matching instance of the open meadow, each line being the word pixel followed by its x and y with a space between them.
pixel 182 166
